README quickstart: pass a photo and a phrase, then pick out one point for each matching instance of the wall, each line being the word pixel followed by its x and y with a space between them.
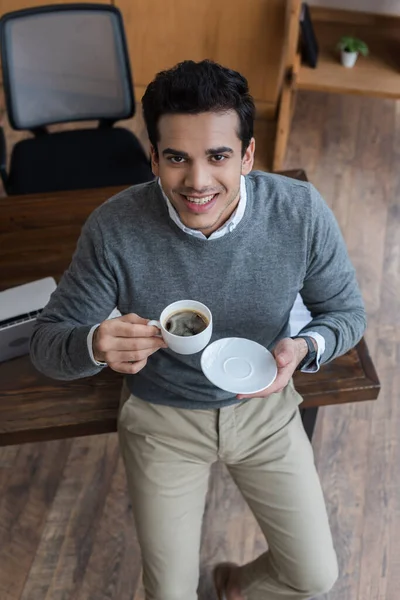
pixel 10 5
pixel 161 33
pixel 389 7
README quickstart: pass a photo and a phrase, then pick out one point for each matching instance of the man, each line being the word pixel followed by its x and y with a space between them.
pixel 244 244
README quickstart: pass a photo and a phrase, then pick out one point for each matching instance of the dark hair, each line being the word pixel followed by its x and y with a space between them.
pixel 194 88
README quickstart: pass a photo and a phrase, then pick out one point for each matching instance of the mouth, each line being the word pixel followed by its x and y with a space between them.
pixel 200 204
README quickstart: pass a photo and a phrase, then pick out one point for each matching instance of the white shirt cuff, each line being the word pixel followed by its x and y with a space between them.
pixel 314 367
pixel 90 347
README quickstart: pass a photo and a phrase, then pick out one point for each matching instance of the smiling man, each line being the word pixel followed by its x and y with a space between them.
pixel 202 184
pixel 244 243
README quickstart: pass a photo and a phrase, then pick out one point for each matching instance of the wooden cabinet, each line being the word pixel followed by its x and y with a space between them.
pixel 377 74
pixel 246 36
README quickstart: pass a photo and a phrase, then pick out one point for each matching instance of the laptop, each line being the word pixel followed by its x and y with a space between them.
pixel 19 307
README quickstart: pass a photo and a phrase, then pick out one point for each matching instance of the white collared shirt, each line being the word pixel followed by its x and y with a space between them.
pixel 228 226
pixel 302 314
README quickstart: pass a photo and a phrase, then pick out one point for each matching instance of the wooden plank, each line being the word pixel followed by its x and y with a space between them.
pixel 391 562
pixel 375 537
pixel 114 568
pixel 343 468
pixel 379 575
pixel 73 521
pixel 26 500
pixel 369 241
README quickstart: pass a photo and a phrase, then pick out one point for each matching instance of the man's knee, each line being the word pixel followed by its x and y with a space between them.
pixel 317 579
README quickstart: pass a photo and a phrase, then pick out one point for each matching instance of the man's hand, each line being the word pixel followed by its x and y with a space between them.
pixel 126 343
pixel 288 353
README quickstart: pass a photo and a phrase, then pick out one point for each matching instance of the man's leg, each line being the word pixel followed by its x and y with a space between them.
pixel 167 454
pixel 273 465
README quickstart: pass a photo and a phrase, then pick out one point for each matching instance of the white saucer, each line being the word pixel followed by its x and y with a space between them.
pixel 239 366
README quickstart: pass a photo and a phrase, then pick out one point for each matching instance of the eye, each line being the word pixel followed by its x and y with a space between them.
pixel 176 160
pixel 218 157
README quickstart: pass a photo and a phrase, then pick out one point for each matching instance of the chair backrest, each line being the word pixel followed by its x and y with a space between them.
pixel 65 63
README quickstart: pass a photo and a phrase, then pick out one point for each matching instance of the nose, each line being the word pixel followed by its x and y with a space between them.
pixel 198 178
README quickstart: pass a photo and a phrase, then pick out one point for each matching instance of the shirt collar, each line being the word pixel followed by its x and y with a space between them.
pixel 227 227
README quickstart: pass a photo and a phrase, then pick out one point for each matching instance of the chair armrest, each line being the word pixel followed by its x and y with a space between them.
pixel 3 158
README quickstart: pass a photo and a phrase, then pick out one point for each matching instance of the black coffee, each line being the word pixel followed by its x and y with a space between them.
pixel 186 322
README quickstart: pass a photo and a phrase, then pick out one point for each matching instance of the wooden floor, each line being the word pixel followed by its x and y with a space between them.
pixel 66 531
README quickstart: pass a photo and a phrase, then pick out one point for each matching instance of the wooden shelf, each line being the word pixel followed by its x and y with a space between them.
pixel 378 74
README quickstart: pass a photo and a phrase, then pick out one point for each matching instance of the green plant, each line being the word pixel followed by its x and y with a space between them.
pixel 352 44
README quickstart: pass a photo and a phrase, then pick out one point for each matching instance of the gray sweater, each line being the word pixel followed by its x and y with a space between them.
pixel 132 256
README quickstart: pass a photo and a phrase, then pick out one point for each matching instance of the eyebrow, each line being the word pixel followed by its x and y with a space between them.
pixel 220 150
pixel 209 152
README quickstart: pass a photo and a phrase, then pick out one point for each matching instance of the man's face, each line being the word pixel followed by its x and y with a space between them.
pixel 199 163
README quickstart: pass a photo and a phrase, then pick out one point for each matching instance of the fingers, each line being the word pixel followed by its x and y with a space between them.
pixel 125 340
pixel 133 318
pixel 120 328
pixel 108 343
pixel 129 368
pixel 116 351
pixel 114 357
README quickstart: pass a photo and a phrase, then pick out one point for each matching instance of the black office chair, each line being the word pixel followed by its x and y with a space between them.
pixel 66 63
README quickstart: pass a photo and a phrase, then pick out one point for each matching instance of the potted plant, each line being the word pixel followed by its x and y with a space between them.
pixel 350 48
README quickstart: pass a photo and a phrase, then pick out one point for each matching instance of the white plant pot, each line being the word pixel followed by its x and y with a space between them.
pixel 349 59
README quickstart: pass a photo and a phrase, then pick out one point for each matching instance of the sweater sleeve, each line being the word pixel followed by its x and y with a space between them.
pixel 86 295
pixel 330 289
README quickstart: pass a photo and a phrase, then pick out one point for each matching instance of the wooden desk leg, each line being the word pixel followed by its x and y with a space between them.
pixel 309 418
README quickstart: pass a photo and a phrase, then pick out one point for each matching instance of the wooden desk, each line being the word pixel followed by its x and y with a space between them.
pixel 37 238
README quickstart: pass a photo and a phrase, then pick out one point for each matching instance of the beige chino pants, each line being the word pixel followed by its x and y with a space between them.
pixel 168 453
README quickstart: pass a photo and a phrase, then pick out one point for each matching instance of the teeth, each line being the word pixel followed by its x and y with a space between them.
pixel 200 200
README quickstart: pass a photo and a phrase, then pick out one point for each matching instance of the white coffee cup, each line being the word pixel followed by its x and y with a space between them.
pixel 177 343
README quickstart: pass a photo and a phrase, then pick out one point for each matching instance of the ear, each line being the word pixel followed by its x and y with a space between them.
pixel 154 161
pixel 248 158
